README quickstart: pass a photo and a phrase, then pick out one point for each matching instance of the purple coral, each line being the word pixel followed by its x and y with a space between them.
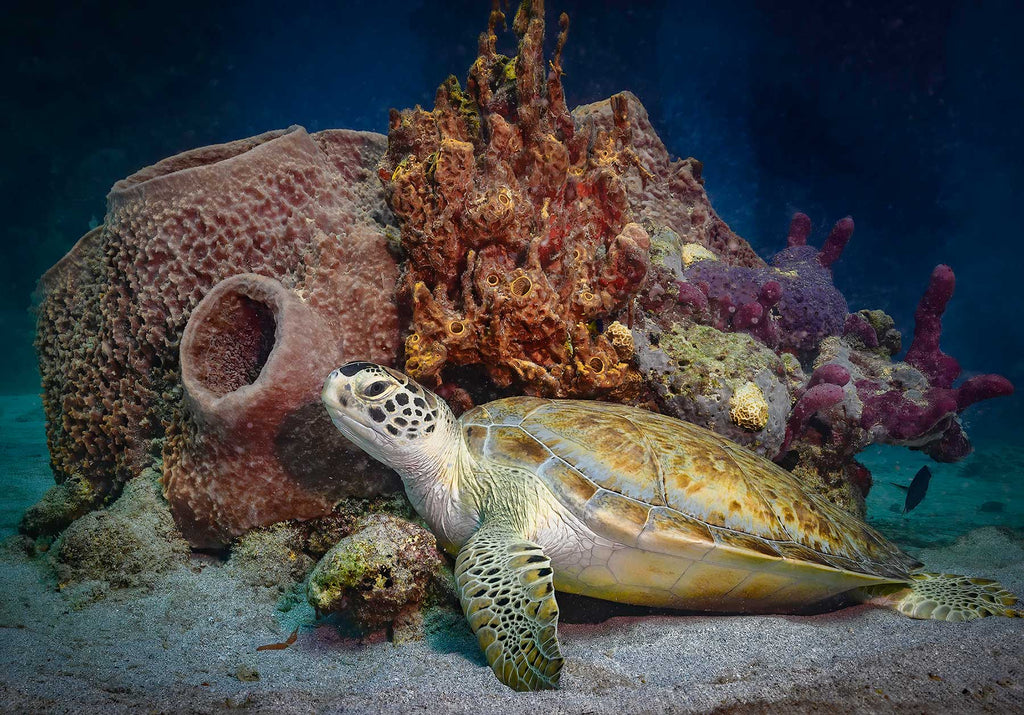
pixel 924 414
pixel 789 307
pixel 831 374
pixel 736 298
pixel 824 389
pixel 982 387
pixel 858 327
pixel 926 355
pixel 836 242
pixel 811 308
pixel 924 352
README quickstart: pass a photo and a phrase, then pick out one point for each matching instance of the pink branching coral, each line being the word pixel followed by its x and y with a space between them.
pixel 933 411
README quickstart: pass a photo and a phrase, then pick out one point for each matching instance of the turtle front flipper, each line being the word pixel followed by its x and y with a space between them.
pixel 947 597
pixel 507 594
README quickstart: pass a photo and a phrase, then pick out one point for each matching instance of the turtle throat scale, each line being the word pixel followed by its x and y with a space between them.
pixel 438 481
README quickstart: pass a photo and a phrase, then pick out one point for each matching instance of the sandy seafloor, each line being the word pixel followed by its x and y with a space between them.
pixel 188 644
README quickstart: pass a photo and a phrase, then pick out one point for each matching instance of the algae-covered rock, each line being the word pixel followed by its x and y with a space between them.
pixel 271 557
pixel 666 251
pixel 717 380
pixel 321 534
pixel 125 545
pixel 61 505
pixel 381 574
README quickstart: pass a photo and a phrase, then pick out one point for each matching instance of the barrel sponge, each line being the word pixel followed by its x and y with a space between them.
pixel 303 209
pixel 255 447
pixel 748 408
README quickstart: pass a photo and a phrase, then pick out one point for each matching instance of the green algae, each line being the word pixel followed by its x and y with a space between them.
pixel 464 104
pixel 710 360
pixel 61 505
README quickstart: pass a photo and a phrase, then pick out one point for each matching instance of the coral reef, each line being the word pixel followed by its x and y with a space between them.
pixel 276 559
pixel 922 412
pixel 796 323
pixel 873 331
pixel 542 251
pixel 303 209
pixel 858 396
pixel 381 574
pixel 521 221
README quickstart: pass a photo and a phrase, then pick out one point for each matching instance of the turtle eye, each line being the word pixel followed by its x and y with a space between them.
pixel 375 388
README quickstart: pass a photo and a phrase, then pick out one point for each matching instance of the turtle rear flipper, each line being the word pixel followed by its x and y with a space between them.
pixel 507 594
pixel 948 597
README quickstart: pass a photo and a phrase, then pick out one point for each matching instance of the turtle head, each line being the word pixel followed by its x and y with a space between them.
pixel 390 416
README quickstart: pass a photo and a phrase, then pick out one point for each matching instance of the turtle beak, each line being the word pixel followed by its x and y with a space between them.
pixel 330 395
pixel 336 397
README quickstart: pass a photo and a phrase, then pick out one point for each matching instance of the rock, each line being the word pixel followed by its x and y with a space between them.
pixel 385 568
pixel 126 545
pixel 271 557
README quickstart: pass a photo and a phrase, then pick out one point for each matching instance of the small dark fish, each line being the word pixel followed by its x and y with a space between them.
pixel 992 507
pixel 917 489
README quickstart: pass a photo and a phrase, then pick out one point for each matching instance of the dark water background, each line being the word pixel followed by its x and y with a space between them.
pixel 907 115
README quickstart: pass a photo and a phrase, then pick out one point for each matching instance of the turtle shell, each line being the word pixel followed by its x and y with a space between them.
pixel 661 484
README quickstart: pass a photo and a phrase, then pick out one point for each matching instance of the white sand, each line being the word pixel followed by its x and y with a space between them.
pixel 184 646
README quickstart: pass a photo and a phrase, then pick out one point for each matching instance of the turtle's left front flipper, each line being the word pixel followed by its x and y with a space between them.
pixel 948 597
pixel 505 586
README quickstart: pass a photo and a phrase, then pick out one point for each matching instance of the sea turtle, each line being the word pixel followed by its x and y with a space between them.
pixel 622 504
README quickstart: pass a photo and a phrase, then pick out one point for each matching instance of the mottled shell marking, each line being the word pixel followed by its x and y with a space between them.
pixel 666 486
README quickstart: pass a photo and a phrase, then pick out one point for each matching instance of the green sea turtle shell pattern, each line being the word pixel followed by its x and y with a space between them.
pixel 656 483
